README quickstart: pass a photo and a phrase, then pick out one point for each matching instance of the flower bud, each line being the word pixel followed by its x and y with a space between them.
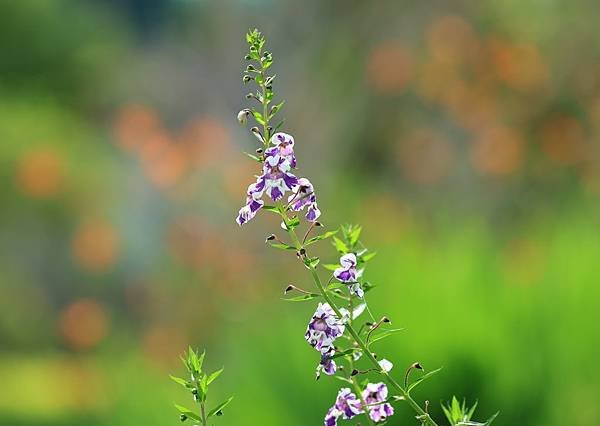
pixel 247 57
pixel 259 151
pixel 243 115
pixel 270 238
pixel 247 78
pixel 182 417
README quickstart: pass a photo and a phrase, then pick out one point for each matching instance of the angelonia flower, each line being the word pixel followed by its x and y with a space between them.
pixel 347 273
pixel 375 395
pixel 327 365
pixel 323 328
pixel 277 179
pixel 347 406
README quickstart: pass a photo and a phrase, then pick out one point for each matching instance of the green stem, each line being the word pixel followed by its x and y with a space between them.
pixel 359 341
pixel 359 395
pixel 203 414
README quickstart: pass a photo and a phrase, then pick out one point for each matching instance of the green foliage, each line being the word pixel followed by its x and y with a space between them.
pixel 198 386
pixel 458 414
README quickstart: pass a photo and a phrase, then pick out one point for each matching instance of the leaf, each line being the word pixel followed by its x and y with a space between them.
pixel 271 209
pixel 321 237
pixel 254 157
pixel 365 258
pixel 340 246
pixel 281 246
pixel 257 115
pixel 383 334
pixel 204 385
pixel 354 235
pixel 331 266
pixel 182 382
pixel 278 126
pixel 213 376
pixel 218 408
pixel 343 353
pixel 302 298
pixel 421 379
pixel 188 413
pixel 312 262
pixel 491 419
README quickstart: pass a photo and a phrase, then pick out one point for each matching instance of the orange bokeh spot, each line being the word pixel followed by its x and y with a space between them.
pixel 169 168
pixel 562 139
pixel 206 141
pixel 83 324
pixel 162 345
pixel 134 125
pixel 425 157
pixel 451 39
pixel 95 246
pixel 498 151
pixel 40 173
pixel 389 68
pixel 520 66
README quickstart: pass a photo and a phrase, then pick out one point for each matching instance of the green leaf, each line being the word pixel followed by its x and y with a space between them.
pixel 491 419
pixel 271 209
pixel 254 157
pixel 278 126
pixel 302 298
pixel 340 246
pixel 187 412
pixel 204 386
pixel 312 262
pixel 343 353
pixel 218 408
pixel 182 382
pixel 383 334
pixel 257 115
pixel 368 256
pixel 354 235
pixel 292 223
pixel 330 266
pixel 281 246
pixel 214 375
pixel 275 109
pixel 321 237
pixel 421 379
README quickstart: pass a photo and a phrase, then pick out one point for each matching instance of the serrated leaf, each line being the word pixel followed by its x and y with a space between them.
pixel 320 237
pixel 214 375
pixel 187 412
pixel 421 379
pixel 302 298
pixel 219 407
pixel 340 246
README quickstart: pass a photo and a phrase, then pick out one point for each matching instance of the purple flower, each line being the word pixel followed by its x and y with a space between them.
pixel 303 196
pixel 347 406
pixel 348 274
pixel 284 146
pixel 374 396
pixel 323 328
pixel 327 364
pixel 253 202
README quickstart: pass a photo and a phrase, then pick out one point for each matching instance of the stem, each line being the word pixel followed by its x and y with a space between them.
pixel 359 395
pixel 359 341
pixel 203 414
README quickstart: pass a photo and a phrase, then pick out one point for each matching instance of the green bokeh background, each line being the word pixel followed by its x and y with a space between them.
pixel 464 137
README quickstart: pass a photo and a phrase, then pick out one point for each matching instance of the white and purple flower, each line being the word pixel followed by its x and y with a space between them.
pixel 304 196
pixel 284 146
pixel 347 273
pixel 347 406
pixel 375 395
pixel 323 328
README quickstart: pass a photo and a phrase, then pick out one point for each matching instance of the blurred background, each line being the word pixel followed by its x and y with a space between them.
pixel 465 137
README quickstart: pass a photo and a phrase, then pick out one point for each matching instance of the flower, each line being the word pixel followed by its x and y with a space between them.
pixel 347 406
pixel 304 195
pixel 275 181
pixel 327 364
pixel 284 146
pixel 347 273
pixel 386 365
pixel 323 328
pixel 374 396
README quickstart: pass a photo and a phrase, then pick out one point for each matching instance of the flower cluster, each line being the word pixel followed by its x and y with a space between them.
pixel 276 180
pixel 347 405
